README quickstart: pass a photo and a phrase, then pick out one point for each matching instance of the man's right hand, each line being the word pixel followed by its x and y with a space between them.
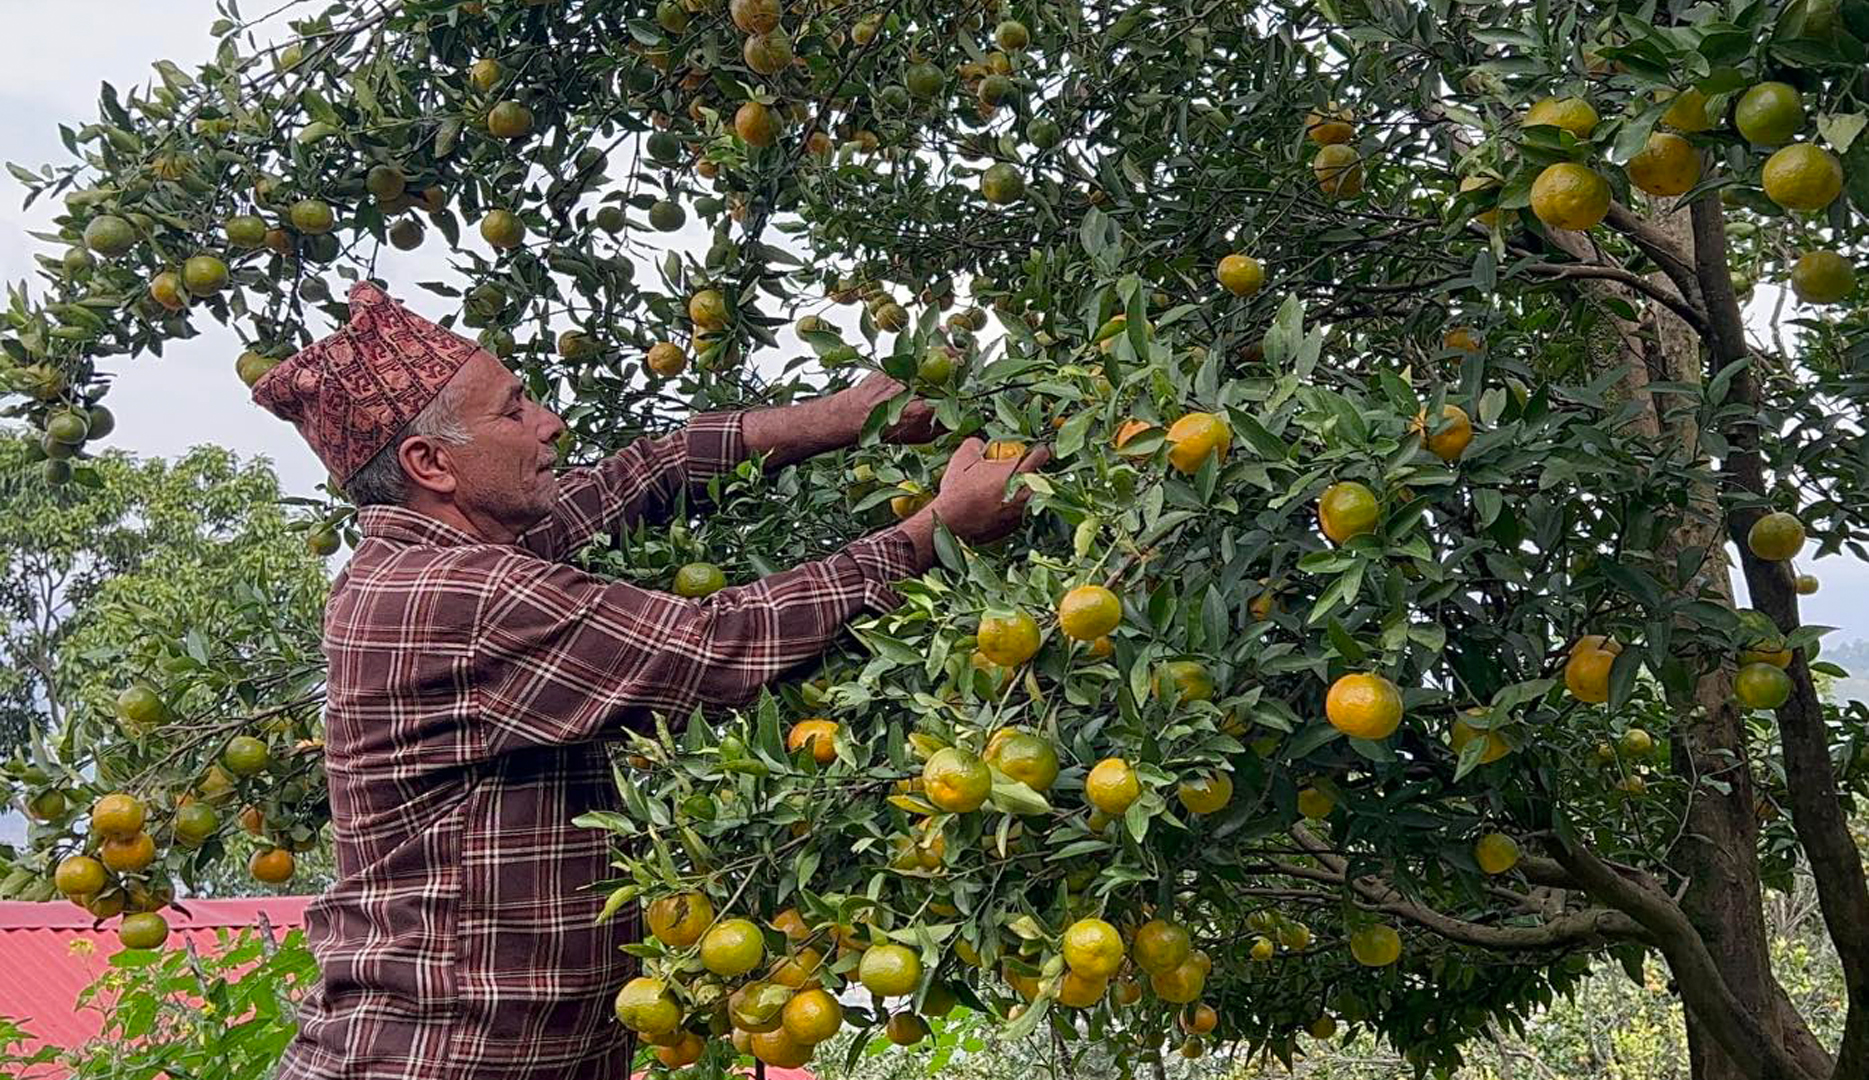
pixel 972 502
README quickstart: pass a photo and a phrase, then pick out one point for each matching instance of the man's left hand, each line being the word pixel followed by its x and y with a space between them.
pixel 917 423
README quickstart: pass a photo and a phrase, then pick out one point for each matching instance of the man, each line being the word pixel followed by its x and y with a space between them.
pixel 473 676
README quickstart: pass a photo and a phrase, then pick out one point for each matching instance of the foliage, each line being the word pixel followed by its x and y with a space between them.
pixel 1083 185
pixel 227 1012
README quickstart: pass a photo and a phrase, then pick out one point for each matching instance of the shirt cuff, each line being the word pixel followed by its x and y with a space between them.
pixel 715 443
pixel 884 558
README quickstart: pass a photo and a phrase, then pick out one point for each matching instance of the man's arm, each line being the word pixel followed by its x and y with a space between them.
pixel 792 433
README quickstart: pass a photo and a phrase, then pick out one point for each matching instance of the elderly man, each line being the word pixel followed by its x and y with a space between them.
pixel 474 676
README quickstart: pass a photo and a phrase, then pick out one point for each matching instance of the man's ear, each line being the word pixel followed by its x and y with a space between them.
pixel 428 464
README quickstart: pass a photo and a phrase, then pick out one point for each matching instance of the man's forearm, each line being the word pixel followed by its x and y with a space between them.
pixel 788 434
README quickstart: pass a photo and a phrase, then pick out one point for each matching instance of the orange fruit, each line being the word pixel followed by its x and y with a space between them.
pixel 166 289
pixel 1346 510
pixel 1667 165
pixel 817 733
pixel 1324 1027
pixel 1769 114
pixel 1089 612
pixel 698 579
pixel 79 875
pixel 1574 115
pixel 1102 648
pixel 907 505
pixel 117 817
pixel 1802 177
pixel 502 229
pixel 1195 437
pixel 1008 638
pixel 1078 991
pixel 128 855
pixel 1208 794
pixel 755 16
pixel 732 948
pixel 1586 673
pixel 1111 786
pixel 1199 1020
pixel 666 359
pixel 707 309
pixel 811 1017
pixel 757 1006
pixel 956 780
pixel 1376 946
pixel 1452 439
pixel 1463 338
pixel 905 1029
pixel 1757 686
pixel 1330 127
pixel 1689 111
pixel 1808 584
pixel 144 930
pixel 274 866
pixel 1182 984
pixel 1002 183
pixel 312 216
pixel 509 120
pixel 1339 170
pixel 797 970
pixel 755 124
pixel 1365 706
pixel 1315 803
pixel 1241 275
pixel 1093 949
pixel 1024 757
pixel 790 923
pixel 1570 196
pixel 1130 429
pixel 1776 537
pixel 1001 449
pixel 686 1051
pixel 1496 853
pixel 1464 733
pixel 890 970
pixel 780 1050
pixel 1822 277
pixel 246 756
pixel 1183 680
pixel 645 1006
pixel 1161 946
pixel 678 921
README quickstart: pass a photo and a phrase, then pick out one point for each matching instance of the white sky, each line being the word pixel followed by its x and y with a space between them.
pixel 191 395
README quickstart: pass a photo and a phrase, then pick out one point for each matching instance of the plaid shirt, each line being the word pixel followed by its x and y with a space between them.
pixel 470 685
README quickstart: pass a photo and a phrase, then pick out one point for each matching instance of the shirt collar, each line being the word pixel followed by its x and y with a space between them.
pixel 401 525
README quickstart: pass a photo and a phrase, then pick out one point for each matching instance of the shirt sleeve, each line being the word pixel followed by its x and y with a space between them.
pixel 640 482
pixel 562 656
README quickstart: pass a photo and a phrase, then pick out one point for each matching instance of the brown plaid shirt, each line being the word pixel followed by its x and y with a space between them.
pixel 469 686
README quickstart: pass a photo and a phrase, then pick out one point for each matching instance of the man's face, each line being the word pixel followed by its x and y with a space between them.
pixel 503 477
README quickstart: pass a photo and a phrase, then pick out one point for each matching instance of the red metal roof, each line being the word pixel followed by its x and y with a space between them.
pixel 51 951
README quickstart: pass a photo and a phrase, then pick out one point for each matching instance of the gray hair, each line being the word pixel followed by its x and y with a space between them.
pixel 381 482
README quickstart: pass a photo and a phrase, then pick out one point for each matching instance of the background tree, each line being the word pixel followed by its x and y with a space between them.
pixel 1456 286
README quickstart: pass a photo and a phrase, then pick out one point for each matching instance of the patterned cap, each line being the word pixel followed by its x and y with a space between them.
pixel 350 393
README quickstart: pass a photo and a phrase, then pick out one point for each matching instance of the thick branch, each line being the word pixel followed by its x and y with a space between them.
pixel 1658 246
pixel 1816 806
pixel 1703 990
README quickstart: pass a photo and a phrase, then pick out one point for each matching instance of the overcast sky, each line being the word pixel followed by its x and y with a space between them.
pixel 190 395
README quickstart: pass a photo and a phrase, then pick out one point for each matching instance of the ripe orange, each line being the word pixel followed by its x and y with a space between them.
pixel 1024 757
pixel 755 16
pixel 274 866
pixel 1496 853
pixel 819 734
pixel 1183 680
pixel 1364 706
pixel 1339 170
pixel 1008 638
pixel 998 449
pixel 1376 946
pixel 732 948
pixel 140 706
pixel 1208 794
pixel 1161 946
pixel 1241 275
pixel 1689 111
pixel 1088 612
pixel 811 1017
pixel 509 120
pixel 678 921
pixel 502 229
pixel 685 1051
pixel 117 817
pixel 484 74
pixel 1111 786
pixel 1667 165
pixel 1464 733
pixel 1452 439
pixel 1330 127
pixel 956 780
pixel 1182 984
pixel 128 855
pixel 1199 1020
pixel 1586 673
pixel 1345 510
pixel 1570 196
pixel 1776 537
pixel 79 875
pixel 1463 338
pixel 1102 648
pixel 755 124
pixel 1802 177
pixel 707 309
pixel 1636 743
pixel 790 923
pixel 780 1050
pixel 756 1007
pixel 890 970
pixel 1196 436
pixel 1079 991
pixel 1822 277
pixel 1574 115
pixel 797 970
pixel 1093 949
pixel 1807 584
pixel 166 289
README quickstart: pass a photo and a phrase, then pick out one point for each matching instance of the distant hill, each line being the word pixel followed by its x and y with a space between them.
pixel 1852 656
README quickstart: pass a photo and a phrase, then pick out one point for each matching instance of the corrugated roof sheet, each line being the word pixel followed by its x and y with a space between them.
pixel 51 951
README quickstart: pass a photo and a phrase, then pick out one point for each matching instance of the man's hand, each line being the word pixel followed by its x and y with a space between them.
pixel 917 423
pixel 972 503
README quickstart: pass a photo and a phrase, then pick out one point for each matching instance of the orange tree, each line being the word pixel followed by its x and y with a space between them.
pixel 1394 364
